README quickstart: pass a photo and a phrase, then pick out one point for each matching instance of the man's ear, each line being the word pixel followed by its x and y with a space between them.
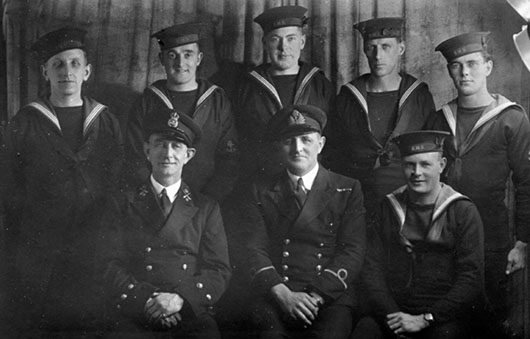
pixel 200 56
pixel 401 47
pixel 489 67
pixel 443 163
pixel 88 71
pixel 322 142
pixel 302 44
pixel 191 153
pixel 146 150
pixel 44 72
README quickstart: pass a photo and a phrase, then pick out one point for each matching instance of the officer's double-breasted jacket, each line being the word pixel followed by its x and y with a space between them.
pixel 318 248
pixel 142 252
pixel 214 169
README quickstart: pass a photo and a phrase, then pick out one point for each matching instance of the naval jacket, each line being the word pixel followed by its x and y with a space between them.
pixel 257 100
pixel 57 193
pixel 142 252
pixel 354 151
pixel 442 273
pixel 318 248
pixel 214 168
pixel 480 167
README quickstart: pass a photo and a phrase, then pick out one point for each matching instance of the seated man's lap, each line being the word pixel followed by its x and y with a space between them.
pixel 334 321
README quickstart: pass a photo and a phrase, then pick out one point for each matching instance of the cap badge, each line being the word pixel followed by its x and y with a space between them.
pixel 173 121
pixel 296 118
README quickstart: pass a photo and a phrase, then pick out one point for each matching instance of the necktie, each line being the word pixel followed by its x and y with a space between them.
pixel 300 193
pixel 165 203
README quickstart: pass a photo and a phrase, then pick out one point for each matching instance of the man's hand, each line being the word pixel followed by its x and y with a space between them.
pixel 406 323
pixel 516 257
pixel 298 305
pixel 163 308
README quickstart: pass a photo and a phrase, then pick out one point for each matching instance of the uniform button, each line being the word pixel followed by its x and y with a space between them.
pixel 118 306
pixel 285 279
pixel 148 249
pixel 287 241
pixel 148 268
pixel 285 267
pixel 199 285
pixel 185 253
pixel 321 244
pixel 184 266
pixel 209 297
pixel 331 223
pixel 285 254
pixel 319 268
pixel 130 286
pixel 319 255
pixel 123 296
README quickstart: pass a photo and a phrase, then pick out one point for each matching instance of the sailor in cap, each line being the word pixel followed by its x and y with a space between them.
pixel 423 270
pixel 308 239
pixel 372 109
pixel 282 81
pixel 215 168
pixel 490 139
pixel 163 249
pixel 61 158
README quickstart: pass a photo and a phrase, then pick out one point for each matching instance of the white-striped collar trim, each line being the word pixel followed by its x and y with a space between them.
pixel 361 99
pixel 267 85
pixel 47 113
pixel 92 117
pixel 206 94
pixel 161 95
pixel 408 92
pixel 304 84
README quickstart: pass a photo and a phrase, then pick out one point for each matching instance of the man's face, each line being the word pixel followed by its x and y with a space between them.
pixel 383 56
pixel 422 172
pixel 300 153
pixel 469 73
pixel 167 157
pixel 181 64
pixel 284 46
pixel 66 71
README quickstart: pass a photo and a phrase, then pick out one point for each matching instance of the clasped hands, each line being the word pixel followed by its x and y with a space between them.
pixel 300 306
pixel 401 322
pixel 162 309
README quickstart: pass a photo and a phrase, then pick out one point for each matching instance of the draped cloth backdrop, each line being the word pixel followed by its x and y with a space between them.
pixel 125 58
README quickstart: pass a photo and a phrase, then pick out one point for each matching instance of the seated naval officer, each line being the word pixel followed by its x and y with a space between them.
pixel 424 267
pixel 163 247
pixel 307 246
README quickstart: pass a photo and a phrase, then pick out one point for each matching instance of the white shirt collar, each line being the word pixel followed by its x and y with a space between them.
pixel 308 178
pixel 170 190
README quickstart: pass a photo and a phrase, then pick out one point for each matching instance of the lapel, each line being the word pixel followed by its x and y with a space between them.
pixel 282 196
pixel 145 202
pixel 317 200
pixel 182 212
